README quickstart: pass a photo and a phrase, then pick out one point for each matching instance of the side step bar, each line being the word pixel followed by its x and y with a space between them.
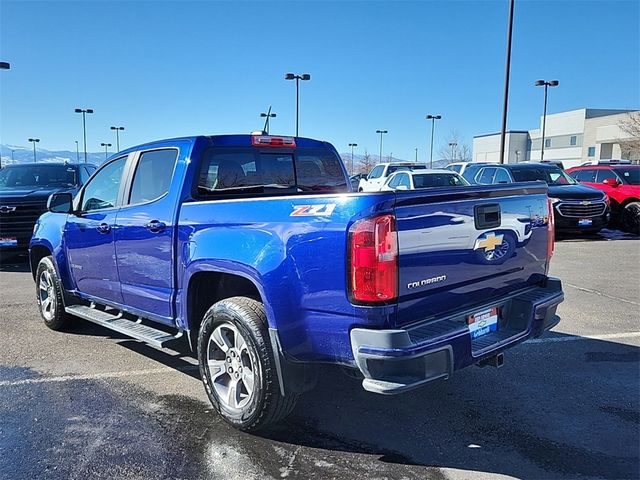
pixel 117 323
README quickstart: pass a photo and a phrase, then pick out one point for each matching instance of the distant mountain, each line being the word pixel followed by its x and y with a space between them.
pixel 25 155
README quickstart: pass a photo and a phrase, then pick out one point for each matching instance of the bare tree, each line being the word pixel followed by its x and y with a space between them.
pixel 631 146
pixel 366 163
pixel 455 149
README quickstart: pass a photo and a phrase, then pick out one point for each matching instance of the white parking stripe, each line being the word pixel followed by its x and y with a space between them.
pixel 572 338
pixel 95 376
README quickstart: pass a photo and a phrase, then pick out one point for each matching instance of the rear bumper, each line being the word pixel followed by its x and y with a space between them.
pixel 394 361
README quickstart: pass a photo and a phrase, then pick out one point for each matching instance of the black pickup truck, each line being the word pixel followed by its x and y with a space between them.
pixel 24 191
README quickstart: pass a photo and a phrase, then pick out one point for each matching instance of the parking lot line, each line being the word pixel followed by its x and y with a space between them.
pixel 96 376
pixel 596 292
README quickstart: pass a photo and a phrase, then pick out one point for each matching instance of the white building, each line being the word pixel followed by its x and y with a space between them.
pixel 572 137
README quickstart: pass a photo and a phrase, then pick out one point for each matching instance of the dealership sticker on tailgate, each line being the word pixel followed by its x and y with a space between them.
pixel 482 323
pixel 8 242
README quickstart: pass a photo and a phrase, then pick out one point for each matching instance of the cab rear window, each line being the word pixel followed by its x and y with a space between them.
pixel 246 172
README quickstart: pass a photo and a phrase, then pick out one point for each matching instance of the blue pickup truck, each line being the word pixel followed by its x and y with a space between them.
pixel 255 249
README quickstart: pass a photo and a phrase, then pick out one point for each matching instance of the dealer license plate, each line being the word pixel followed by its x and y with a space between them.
pixel 8 242
pixel 483 323
pixel 585 222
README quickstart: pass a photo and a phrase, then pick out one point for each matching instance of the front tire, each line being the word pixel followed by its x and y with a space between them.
pixel 238 366
pixel 631 217
pixel 49 293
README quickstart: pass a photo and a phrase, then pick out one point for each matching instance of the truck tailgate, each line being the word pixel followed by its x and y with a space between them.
pixel 465 246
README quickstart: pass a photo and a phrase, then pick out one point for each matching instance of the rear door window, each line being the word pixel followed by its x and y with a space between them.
pixel 604 173
pixel 485 176
pixel 587 175
pixel 153 174
pixel 502 176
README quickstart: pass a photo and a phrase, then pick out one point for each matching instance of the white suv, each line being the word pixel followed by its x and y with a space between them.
pixel 378 176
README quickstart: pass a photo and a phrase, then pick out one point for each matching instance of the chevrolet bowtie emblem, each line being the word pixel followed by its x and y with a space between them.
pixel 7 209
pixel 489 242
pixel 586 202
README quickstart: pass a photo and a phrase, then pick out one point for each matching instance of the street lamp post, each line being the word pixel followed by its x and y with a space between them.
pixel 34 141
pixel 433 119
pixel 12 159
pixel 106 149
pixel 84 111
pixel 267 116
pixel 507 73
pixel 352 145
pixel 77 151
pixel 381 132
pixel 118 130
pixel 297 78
pixel 546 84
pixel 416 149
pixel 453 145
pixel 5 66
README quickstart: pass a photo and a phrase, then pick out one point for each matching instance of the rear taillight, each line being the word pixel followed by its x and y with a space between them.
pixel 551 234
pixel 373 263
pixel 269 141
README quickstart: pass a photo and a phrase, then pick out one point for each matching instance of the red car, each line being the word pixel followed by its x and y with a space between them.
pixel 621 182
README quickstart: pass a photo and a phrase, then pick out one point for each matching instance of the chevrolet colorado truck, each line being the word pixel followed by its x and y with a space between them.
pixel 255 249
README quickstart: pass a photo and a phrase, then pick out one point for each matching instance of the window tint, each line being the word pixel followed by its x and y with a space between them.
pixel 591 152
pixel 102 191
pixel 319 172
pixel 603 173
pixel 587 175
pixel 38 176
pixel 376 172
pixel 438 180
pixel 502 176
pixel 246 171
pixel 485 176
pixel 551 175
pixel 630 176
pixel 405 181
pixel 153 174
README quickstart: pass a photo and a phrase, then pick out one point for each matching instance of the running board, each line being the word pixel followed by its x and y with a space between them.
pixel 117 323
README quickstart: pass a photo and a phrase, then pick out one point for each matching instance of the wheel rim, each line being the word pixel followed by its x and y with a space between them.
pixel 497 253
pixel 230 366
pixel 47 295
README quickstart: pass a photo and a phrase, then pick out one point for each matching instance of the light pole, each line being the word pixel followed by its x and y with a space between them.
pixel 453 145
pixel 547 84
pixel 106 149
pixel 297 78
pixel 118 130
pixel 77 151
pixel 381 132
pixel 268 116
pixel 416 149
pixel 433 119
pixel 11 157
pixel 507 71
pixel 517 156
pixel 352 145
pixel 34 141
pixel 5 66
pixel 84 111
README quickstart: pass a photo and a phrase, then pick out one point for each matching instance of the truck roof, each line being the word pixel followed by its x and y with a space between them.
pixel 229 140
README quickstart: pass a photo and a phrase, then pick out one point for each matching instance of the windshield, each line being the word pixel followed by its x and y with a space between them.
pixel 428 180
pixel 553 176
pixel 38 176
pixel 630 176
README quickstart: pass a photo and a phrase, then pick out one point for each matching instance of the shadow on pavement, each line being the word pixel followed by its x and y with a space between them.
pixel 14 262
pixel 603 235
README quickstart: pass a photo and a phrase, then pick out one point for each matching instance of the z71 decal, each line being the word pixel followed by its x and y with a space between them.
pixel 320 210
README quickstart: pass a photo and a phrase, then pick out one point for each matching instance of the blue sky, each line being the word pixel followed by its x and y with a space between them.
pixel 165 69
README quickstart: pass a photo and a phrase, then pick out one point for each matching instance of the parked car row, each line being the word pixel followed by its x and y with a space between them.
pixel 585 198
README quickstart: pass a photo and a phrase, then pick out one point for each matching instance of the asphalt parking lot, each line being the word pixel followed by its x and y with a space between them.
pixel 93 404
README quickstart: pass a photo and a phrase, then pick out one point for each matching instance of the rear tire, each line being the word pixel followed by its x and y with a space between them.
pixel 49 292
pixel 238 366
pixel 631 217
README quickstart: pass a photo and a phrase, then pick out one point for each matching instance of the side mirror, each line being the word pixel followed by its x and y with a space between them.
pixel 60 203
pixel 402 187
pixel 611 182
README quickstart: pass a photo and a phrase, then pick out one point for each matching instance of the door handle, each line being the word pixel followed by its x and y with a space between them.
pixel 156 226
pixel 104 228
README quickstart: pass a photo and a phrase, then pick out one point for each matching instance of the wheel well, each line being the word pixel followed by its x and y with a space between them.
pixel 207 288
pixel 36 254
pixel 627 201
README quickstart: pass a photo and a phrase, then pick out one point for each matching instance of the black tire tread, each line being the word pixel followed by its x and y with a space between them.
pixel 275 406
